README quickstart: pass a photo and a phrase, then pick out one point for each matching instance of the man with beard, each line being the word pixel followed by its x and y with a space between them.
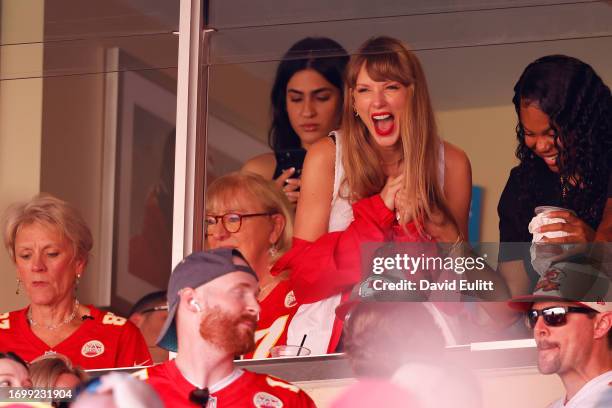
pixel 212 317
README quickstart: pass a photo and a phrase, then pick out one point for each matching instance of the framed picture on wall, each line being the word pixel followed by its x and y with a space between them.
pixel 138 179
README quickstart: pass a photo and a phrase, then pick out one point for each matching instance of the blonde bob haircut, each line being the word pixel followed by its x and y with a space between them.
pixel 388 59
pixel 46 369
pixel 48 210
pixel 232 189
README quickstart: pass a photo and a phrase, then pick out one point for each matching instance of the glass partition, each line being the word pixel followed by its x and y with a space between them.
pixel 88 96
pixel 472 52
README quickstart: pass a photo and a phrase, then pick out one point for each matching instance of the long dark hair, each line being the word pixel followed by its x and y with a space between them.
pixel 579 106
pixel 321 54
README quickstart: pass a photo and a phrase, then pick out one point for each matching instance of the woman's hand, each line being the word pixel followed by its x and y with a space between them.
pixel 579 230
pixel 389 191
pixel 442 228
pixel 288 185
pixel 403 204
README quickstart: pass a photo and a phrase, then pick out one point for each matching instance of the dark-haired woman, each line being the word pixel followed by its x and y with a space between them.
pixel 306 102
pixel 565 151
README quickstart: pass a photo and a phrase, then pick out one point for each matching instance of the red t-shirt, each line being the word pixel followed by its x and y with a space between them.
pixel 240 389
pixel 104 341
pixel 277 310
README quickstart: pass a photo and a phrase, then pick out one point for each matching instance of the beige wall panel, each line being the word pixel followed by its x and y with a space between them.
pixel 20 121
pixel 487 137
pixel 71 160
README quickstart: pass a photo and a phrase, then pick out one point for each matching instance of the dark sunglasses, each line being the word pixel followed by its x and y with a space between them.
pixel 554 316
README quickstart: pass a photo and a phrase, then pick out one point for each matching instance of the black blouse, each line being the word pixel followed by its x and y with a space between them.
pixel 515 213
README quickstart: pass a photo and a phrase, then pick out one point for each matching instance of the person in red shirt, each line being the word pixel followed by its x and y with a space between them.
pixel 213 309
pixel 247 212
pixel 103 340
pixel 49 242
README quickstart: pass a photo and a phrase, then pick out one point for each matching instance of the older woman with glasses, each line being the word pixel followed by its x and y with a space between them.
pixel 247 212
pixel 49 243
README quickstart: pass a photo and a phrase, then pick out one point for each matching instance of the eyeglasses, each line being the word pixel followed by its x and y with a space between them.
pixel 155 309
pixel 554 316
pixel 231 221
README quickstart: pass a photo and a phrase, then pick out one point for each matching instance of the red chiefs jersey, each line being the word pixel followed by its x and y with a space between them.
pixel 277 310
pixel 240 389
pixel 104 341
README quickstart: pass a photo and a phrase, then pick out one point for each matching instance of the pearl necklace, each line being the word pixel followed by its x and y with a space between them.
pixel 70 318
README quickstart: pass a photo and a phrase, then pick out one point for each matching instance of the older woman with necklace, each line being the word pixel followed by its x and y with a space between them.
pixel 49 243
pixel 247 212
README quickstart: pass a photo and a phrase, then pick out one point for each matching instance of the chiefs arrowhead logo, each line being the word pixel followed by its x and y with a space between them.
pixel 265 400
pixel 290 300
pixel 92 348
pixel 551 280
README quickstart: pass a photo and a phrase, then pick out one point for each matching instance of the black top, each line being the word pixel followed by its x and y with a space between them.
pixel 515 214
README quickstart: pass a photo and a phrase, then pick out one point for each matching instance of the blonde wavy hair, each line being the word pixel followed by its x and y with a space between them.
pixel 48 210
pixel 229 189
pixel 46 369
pixel 386 59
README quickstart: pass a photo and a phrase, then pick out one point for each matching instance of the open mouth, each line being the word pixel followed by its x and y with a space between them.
pixel 384 123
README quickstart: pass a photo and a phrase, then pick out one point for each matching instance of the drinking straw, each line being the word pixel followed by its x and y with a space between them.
pixel 301 345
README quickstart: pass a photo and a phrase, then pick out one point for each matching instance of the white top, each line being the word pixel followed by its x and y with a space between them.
pixel 341 214
pixel 597 393
pixel 316 319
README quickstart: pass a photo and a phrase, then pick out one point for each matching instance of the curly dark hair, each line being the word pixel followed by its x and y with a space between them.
pixel 321 54
pixel 579 106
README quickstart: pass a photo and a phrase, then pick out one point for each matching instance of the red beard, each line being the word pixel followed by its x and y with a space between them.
pixel 228 332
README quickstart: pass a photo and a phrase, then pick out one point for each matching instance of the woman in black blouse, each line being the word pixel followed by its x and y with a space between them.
pixel 565 152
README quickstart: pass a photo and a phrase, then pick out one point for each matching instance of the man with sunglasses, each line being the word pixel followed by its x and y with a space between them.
pixel 213 311
pixel 149 315
pixel 573 338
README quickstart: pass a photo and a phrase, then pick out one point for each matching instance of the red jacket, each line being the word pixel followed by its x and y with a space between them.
pixel 333 263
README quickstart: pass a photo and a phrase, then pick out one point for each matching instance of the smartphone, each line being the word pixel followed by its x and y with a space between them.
pixel 288 158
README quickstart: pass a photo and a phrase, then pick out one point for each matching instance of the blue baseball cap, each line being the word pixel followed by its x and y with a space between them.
pixel 193 271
